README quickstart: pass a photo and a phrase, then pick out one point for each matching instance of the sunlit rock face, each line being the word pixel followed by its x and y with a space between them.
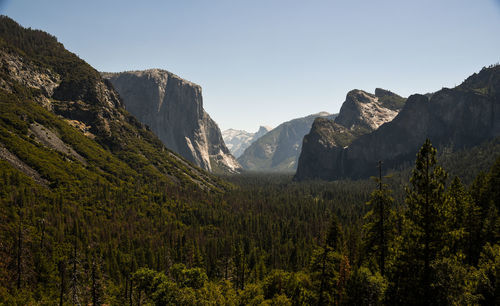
pixel 173 108
pixel 361 113
pixel 455 118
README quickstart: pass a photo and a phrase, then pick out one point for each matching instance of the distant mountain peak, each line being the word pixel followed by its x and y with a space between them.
pixel 238 140
pixel 279 149
pixel 321 114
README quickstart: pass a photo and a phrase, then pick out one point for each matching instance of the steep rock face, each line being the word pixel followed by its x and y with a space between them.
pixel 173 108
pixel 364 110
pixel 36 70
pixel 460 117
pixel 321 149
pixel 238 140
pixel 279 149
pixel 361 113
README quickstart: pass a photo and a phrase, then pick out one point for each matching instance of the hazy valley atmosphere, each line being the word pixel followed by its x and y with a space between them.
pixel 237 153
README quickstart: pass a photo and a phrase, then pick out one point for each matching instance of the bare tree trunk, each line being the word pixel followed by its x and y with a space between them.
pixel 94 284
pixel 74 278
pixel 62 268
pixel 19 252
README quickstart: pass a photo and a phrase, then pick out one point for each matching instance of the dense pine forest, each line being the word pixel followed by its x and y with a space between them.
pixel 266 240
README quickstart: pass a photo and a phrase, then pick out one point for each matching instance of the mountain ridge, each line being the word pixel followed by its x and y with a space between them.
pixel 279 149
pixel 461 117
pixel 360 114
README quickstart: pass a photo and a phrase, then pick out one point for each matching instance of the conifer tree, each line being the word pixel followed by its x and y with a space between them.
pixel 377 228
pixel 462 220
pixel 425 198
pixel 328 274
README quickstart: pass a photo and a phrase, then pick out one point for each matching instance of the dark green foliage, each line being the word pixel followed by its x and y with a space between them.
pixel 365 288
pixel 227 248
pixel 393 101
pixel 425 199
pixel 378 226
pixel 44 49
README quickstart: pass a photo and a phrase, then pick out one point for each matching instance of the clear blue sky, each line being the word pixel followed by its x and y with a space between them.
pixel 263 62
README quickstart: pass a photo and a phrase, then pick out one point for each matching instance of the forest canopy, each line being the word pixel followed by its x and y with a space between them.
pixel 268 240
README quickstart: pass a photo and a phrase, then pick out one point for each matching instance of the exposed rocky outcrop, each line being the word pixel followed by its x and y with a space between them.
pixel 360 114
pixel 238 140
pixel 93 103
pixel 459 118
pixel 18 164
pixel 279 149
pixel 362 110
pixel 36 69
pixel 51 140
pixel 173 108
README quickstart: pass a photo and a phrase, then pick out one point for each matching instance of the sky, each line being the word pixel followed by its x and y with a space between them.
pixel 264 62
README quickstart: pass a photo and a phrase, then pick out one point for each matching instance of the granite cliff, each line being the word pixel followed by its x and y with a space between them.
pixel 360 114
pixel 173 108
pixel 456 118
pixel 279 149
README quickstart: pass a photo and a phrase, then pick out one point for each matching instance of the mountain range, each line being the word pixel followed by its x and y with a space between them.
pixel 457 118
pixel 279 149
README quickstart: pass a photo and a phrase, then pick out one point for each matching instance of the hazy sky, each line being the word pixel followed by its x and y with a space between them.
pixel 263 62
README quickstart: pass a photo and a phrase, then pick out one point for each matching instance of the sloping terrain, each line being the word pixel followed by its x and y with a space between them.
pixel 59 117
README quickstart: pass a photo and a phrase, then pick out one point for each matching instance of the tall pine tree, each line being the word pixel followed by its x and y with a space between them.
pixel 377 226
pixel 425 198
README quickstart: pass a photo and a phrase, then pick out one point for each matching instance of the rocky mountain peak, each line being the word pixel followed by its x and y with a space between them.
pixel 359 96
pixel 364 110
pixel 486 81
pixel 238 140
pixel 360 114
pixel 460 117
pixel 262 131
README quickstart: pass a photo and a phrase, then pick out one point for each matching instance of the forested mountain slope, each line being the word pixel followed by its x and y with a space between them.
pixel 57 106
